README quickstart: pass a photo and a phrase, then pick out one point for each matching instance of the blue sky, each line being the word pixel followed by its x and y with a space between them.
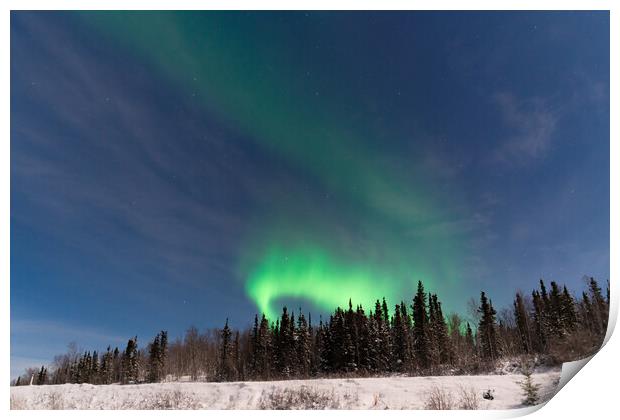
pixel 149 171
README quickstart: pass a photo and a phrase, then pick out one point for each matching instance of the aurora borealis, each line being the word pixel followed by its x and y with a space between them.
pixel 220 164
pixel 311 137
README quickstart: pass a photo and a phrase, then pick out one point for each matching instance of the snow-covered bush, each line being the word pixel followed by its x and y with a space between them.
pixel 302 398
pixel 468 398
pixel 164 400
pixel 439 399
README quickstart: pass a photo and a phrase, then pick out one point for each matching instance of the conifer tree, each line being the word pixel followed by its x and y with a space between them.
pixel 285 349
pixel 544 297
pixel 433 342
pixel 225 370
pixel 163 353
pixel 469 339
pixel 540 328
pixel 586 315
pixel 42 376
pixel 384 312
pixel 421 344
pixel 607 295
pixel 440 332
pixel 254 351
pixel 303 346
pixel 569 315
pixel 382 339
pixel 106 367
pixel 400 340
pixel 129 362
pixel 599 306
pixel 154 357
pixel 275 350
pixel 530 389
pixel 263 349
pixel 554 311
pixel 116 365
pixel 487 329
pixel 237 369
pixel 350 340
pixel 94 369
pixel 365 351
pixel 522 321
pixel 324 347
pixel 340 343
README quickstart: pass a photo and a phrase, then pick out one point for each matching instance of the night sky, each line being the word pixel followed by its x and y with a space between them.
pixel 176 169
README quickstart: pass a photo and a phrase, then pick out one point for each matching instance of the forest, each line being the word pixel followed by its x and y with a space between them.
pixel 413 338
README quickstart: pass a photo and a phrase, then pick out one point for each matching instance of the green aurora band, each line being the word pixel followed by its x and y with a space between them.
pixel 246 72
pixel 311 274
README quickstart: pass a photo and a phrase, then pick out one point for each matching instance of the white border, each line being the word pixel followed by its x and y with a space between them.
pixel 592 395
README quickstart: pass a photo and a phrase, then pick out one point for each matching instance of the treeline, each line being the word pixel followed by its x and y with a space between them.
pixel 413 338
pixel 130 366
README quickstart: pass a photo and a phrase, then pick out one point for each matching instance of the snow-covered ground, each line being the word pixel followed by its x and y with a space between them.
pixel 355 393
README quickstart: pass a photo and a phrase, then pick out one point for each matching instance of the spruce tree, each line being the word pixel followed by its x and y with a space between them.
pixel 275 361
pixel 237 369
pixel 586 315
pixel 163 353
pixel 254 352
pixel 398 343
pixel 487 329
pixel 433 342
pixel 154 357
pixel 42 376
pixel 363 337
pixel 440 332
pixel 291 347
pixel 106 367
pixel 530 389
pixel 340 342
pixel 324 347
pixel 116 365
pixel 94 370
pixel 469 339
pixel 350 337
pixel 569 315
pixel 384 312
pixel 599 306
pixel 522 321
pixel 421 343
pixel 382 339
pixel 303 347
pixel 263 350
pixel 225 370
pixel 554 312
pixel 129 362
pixel 544 297
pixel 540 328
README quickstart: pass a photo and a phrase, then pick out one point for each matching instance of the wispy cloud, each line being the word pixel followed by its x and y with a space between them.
pixel 530 123
pixel 138 191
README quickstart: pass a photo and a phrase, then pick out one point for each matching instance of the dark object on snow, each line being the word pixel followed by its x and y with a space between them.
pixel 488 394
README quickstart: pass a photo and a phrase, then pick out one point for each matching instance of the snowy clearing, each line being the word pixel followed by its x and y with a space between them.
pixel 354 393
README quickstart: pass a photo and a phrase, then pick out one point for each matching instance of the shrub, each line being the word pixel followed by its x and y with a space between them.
pixel 468 398
pixel 439 399
pixel 302 398
pixel 163 400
